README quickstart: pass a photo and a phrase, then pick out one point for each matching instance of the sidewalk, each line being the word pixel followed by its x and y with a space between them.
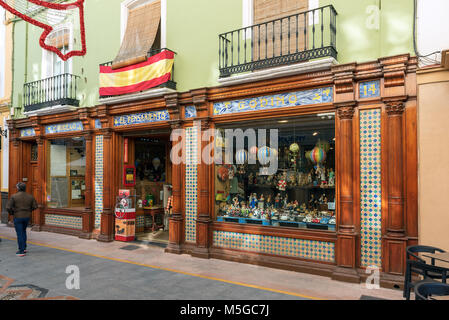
pixel 145 272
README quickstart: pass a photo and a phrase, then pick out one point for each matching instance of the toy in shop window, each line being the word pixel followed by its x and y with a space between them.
pixel 129 176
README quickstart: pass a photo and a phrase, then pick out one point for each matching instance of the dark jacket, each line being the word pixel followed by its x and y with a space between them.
pixel 21 205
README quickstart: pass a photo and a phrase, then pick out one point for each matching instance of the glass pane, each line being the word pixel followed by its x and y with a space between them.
pixel 66 173
pixel 283 176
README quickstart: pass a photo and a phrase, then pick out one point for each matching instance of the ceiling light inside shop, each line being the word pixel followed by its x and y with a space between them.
pixel 315 133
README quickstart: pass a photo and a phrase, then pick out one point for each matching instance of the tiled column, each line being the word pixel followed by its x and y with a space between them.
pixel 370 188
pixel 191 185
pixel 107 216
pixel 204 219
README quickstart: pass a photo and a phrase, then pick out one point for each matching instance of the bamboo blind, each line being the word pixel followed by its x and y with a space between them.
pixel 267 10
pixel 141 31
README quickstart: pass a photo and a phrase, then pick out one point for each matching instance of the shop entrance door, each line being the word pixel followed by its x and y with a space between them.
pixel 30 173
pixel 150 154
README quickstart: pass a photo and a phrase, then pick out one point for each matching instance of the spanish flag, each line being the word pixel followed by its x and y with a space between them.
pixel 142 76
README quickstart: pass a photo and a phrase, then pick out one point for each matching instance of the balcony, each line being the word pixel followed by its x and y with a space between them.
pixel 59 90
pixel 170 84
pixel 297 38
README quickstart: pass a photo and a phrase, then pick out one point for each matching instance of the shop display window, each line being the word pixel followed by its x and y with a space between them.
pixel 66 167
pixel 298 193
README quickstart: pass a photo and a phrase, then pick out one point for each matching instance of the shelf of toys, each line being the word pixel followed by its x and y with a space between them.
pixel 300 194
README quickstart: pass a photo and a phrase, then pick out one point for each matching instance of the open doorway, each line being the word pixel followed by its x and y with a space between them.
pixel 150 156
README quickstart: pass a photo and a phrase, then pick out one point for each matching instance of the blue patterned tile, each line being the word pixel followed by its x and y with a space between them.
pixel 298 248
pixel 370 188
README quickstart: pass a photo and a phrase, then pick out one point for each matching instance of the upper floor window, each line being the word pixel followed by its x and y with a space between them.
pixel 266 10
pixel 53 65
pixel 142 33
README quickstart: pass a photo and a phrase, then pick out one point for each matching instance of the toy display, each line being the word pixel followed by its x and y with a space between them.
pixel 301 194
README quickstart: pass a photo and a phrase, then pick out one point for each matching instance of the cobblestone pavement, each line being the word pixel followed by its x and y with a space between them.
pixel 109 271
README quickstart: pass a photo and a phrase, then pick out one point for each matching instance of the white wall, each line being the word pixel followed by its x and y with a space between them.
pixel 432 28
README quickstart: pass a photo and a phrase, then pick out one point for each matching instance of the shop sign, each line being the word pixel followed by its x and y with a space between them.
pixel 369 89
pixel 190 112
pixel 64 127
pixel 291 99
pixel 27 132
pixel 139 118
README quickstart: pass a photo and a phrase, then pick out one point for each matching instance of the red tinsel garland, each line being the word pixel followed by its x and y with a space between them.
pixel 48 29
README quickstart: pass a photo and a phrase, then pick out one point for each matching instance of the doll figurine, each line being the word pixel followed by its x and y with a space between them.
pixel 261 202
pixel 235 201
pixel 331 175
pixel 277 201
pixel 268 202
pixel 253 201
pixel 282 183
pixel 310 177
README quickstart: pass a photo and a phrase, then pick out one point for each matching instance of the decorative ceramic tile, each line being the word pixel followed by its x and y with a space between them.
pixel 190 112
pixel 98 187
pixel 191 184
pixel 140 221
pixel 370 187
pixel 298 248
pixel 139 118
pixel 64 127
pixel 97 124
pixel 299 98
pixel 27 132
pixel 64 221
pixel 369 89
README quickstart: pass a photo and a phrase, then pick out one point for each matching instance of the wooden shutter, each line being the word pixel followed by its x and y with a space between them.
pixel 267 10
pixel 141 31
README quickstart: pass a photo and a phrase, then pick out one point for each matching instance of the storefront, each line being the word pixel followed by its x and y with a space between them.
pixel 78 163
pixel 341 198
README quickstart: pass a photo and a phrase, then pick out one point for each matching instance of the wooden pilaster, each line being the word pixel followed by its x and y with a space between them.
pixel 176 221
pixel 346 246
pixel 395 238
pixel 88 212
pixel 41 201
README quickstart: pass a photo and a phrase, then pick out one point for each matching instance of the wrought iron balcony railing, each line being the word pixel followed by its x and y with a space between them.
pixel 169 84
pixel 57 90
pixel 296 38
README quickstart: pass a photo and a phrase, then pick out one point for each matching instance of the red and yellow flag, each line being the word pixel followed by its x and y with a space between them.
pixel 142 76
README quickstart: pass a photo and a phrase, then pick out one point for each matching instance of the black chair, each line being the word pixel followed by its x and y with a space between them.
pixel 417 265
pixel 425 289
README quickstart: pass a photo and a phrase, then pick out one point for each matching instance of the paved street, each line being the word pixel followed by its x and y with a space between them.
pixel 109 271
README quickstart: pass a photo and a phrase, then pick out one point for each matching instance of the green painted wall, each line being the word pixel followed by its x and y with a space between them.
pixel 193 27
pixel 192 32
pixel 102 39
pixel 358 39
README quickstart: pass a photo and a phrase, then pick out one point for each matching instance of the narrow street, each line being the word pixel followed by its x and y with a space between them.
pixel 141 271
